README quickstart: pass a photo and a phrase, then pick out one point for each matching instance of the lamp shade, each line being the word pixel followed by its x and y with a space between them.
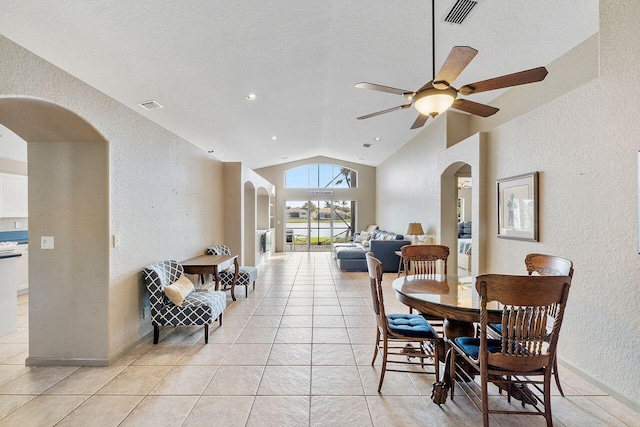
pixel 431 101
pixel 415 229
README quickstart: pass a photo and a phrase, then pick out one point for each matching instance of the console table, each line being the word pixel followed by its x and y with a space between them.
pixel 211 264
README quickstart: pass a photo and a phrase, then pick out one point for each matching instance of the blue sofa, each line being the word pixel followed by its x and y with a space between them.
pixel 383 244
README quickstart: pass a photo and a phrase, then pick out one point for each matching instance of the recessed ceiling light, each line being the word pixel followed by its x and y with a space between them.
pixel 251 97
pixel 377 138
pixel 273 138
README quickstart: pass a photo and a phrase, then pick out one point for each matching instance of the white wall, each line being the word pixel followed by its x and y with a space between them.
pixel 408 184
pixel 584 144
pixel 584 141
pixel 464 194
pixel 164 193
pixel 69 285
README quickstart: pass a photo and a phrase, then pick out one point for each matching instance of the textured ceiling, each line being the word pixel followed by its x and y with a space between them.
pixel 200 59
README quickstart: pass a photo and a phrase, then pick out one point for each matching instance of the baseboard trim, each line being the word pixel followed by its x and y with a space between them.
pixel 611 392
pixel 128 348
pixel 52 361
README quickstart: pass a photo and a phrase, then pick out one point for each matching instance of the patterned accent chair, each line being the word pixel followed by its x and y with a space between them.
pixel 198 308
pixel 246 276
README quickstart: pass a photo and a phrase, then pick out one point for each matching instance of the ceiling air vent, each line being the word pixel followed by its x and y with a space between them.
pixel 460 11
pixel 366 145
pixel 150 105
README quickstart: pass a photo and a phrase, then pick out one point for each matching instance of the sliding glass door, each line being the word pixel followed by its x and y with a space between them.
pixel 313 225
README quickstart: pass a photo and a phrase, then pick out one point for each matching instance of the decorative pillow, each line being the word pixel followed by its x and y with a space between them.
pixel 365 243
pixel 362 236
pixel 178 290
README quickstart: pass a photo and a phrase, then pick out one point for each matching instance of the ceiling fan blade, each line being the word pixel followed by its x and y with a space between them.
pixel 456 62
pixel 380 88
pixel 420 121
pixel 474 108
pixel 515 79
pixel 388 110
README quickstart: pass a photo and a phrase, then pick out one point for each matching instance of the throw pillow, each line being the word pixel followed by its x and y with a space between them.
pixel 178 290
pixel 362 236
pixel 365 243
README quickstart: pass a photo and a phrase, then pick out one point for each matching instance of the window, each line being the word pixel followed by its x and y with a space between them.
pixel 320 176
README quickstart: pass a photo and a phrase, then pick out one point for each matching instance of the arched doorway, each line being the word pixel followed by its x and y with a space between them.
pixel 68 161
pixel 463 160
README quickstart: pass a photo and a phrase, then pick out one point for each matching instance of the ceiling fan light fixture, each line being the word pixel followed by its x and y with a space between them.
pixel 432 102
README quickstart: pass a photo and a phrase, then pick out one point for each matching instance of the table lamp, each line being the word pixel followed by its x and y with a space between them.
pixel 414 229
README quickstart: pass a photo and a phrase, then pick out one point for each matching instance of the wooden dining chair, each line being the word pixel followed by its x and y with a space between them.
pixel 532 312
pixel 399 328
pixel 424 259
pixel 550 265
pixel 543 265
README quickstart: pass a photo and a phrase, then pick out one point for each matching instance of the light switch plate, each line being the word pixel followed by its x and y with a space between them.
pixel 117 240
pixel 18 224
pixel 47 242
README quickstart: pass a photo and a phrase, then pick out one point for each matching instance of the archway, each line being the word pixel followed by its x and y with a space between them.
pixel 467 155
pixel 68 162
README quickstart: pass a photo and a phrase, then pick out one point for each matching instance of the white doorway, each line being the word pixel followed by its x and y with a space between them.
pixel 464 215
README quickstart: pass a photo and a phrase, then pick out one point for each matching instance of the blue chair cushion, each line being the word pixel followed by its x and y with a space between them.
pixel 411 325
pixel 471 346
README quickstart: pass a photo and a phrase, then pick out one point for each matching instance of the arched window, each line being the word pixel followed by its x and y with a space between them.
pixel 320 176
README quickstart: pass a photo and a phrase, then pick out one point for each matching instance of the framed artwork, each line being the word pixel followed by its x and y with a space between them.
pixel 518 207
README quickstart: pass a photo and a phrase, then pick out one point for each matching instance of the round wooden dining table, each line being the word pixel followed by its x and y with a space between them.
pixel 447 297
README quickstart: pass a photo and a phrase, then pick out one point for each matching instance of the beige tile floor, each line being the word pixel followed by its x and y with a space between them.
pixel 297 351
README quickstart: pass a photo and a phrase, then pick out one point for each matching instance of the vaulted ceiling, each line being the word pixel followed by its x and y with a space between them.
pixel 200 59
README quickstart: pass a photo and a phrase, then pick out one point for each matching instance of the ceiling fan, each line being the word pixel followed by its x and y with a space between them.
pixel 437 95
